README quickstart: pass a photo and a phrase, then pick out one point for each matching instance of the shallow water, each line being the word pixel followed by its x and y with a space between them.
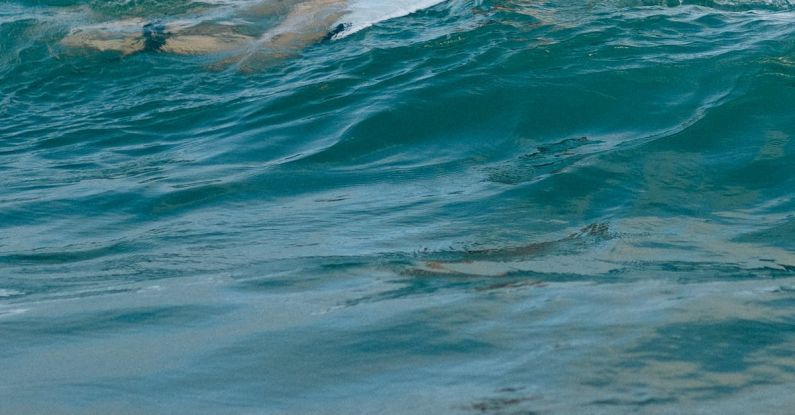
pixel 485 207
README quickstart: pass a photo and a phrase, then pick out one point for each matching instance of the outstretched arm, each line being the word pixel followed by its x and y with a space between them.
pixel 307 22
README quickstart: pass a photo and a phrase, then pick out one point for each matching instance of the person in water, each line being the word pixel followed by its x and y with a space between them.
pixel 302 22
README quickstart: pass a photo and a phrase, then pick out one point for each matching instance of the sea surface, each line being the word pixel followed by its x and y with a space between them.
pixel 484 207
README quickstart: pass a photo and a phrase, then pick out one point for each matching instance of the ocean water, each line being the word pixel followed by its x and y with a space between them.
pixel 484 207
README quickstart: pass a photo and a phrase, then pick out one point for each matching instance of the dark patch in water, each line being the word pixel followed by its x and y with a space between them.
pixel 155 36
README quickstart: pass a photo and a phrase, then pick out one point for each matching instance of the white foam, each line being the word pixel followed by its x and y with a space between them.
pixel 365 13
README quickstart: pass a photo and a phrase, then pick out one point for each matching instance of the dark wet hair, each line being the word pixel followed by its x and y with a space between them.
pixel 155 36
pixel 335 31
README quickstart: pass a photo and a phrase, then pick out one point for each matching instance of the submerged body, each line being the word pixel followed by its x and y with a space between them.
pixel 300 23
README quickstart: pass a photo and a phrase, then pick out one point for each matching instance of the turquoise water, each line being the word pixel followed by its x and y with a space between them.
pixel 500 207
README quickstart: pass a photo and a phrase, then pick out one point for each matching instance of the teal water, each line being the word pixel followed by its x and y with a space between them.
pixel 499 207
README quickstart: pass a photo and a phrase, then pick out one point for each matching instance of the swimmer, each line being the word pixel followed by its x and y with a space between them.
pixel 304 22
pixel 300 23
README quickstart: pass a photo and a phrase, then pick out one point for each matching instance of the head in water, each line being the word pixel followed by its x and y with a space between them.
pixel 154 36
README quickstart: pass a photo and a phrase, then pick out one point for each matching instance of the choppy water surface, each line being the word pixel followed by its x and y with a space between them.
pixel 484 207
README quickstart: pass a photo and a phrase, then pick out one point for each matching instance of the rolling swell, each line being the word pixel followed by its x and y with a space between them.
pixel 482 207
